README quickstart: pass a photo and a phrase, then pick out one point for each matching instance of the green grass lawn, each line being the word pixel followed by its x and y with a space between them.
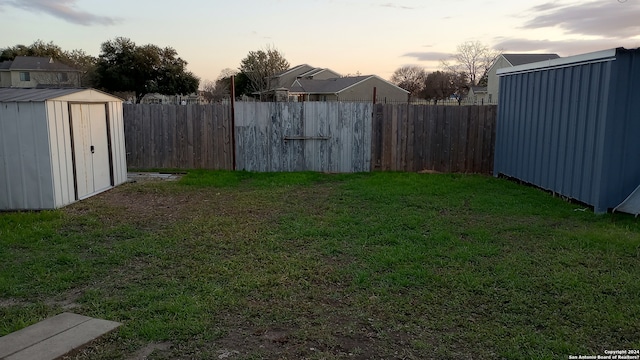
pixel 303 265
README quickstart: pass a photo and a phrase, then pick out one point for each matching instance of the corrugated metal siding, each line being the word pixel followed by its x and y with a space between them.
pixel 61 158
pixel 621 163
pixel 551 128
pixel 118 148
pixel 573 129
pixel 26 181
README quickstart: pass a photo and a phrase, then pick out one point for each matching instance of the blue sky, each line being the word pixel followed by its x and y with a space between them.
pixel 348 36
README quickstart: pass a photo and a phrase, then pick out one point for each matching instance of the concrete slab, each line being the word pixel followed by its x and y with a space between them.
pixel 53 337
pixel 142 176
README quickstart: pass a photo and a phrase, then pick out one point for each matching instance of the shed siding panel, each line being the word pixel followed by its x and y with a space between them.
pixel 25 156
pixel 61 158
pixel 118 146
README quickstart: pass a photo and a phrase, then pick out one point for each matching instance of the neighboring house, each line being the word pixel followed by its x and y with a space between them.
pixel 505 61
pixel 306 83
pixel 38 72
pixel 477 96
pixel 353 88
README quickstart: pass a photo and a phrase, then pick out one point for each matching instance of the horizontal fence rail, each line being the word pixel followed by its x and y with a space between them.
pixel 311 136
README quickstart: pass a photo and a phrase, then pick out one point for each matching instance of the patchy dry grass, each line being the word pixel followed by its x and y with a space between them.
pixel 305 265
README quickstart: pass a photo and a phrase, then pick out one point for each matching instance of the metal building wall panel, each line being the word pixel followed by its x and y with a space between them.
pixel 622 155
pixel 548 127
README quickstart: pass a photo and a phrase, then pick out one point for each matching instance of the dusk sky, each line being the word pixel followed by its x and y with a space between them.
pixel 348 36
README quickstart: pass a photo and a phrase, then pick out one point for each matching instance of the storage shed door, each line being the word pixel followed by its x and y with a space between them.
pixel 91 149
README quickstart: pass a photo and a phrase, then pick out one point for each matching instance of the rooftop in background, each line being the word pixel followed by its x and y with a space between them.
pixel 329 86
pixel 34 63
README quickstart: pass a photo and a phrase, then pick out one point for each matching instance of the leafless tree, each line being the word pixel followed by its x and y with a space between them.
pixel 220 88
pixel 473 59
pixel 411 78
pixel 56 79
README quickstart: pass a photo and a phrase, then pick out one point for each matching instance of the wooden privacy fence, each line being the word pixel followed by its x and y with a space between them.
pixel 439 138
pixel 315 136
pixel 178 136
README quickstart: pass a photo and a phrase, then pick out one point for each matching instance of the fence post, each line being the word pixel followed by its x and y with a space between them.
pixel 233 121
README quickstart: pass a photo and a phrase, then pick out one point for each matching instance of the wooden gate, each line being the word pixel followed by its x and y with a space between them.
pixel 308 136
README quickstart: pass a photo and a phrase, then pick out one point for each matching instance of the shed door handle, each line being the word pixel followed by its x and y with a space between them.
pixel 93 149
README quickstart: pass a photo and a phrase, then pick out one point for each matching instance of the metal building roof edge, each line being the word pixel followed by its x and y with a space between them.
pixel 597 56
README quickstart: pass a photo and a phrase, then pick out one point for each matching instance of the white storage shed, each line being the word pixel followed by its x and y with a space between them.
pixel 58 146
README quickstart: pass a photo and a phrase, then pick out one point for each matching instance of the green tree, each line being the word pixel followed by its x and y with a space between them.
pixel 86 63
pixel 442 85
pixel 260 66
pixel 125 67
pixel 242 85
pixel 38 48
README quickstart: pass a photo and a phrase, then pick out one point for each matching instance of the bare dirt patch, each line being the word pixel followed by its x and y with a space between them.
pixel 306 316
pixel 152 348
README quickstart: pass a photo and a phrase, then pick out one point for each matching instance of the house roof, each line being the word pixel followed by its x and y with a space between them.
pixel 311 72
pixel 316 71
pixel 37 95
pixel 329 86
pixel 35 63
pixel 478 89
pixel 519 59
pixel 332 86
pixel 292 69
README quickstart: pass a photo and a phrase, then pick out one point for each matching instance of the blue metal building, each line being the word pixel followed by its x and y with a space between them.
pixel 572 126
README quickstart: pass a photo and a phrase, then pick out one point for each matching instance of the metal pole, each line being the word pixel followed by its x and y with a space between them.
pixel 233 121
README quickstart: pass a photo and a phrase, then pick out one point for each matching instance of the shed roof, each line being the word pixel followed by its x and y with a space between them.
pixel 36 95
